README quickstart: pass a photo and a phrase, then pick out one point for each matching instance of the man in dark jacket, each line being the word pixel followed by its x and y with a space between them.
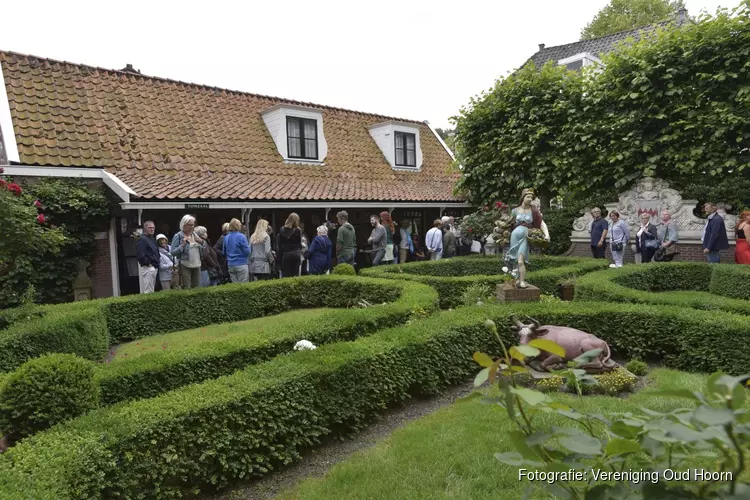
pixel 148 258
pixel 714 234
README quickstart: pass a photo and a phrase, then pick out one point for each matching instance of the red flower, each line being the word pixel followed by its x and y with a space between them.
pixel 40 218
pixel 3 183
pixel 485 208
pixel 15 189
pixel 500 204
pixel 469 230
pixel 38 204
pixel 2 170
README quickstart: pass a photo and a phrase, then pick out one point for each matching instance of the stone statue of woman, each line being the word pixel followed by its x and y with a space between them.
pixel 523 217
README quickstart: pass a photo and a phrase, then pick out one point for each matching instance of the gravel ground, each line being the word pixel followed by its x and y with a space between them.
pixel 317 462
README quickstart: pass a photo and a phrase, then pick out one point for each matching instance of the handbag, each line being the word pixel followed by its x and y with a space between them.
pixel 618 247
pixel 652 243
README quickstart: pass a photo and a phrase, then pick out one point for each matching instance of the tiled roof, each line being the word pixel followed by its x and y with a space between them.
pixel 175 140
pixel 596 46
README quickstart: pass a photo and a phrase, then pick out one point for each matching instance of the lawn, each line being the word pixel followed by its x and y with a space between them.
pixel 213 333
pixel 449 454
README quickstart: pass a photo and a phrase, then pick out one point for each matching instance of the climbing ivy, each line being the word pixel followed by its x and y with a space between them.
pixel 673 105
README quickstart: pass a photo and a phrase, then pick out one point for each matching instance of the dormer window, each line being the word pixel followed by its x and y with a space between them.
pixel 302 138
pixel 579 61
pixel 297 132
pixel 406 149
pixel 400 144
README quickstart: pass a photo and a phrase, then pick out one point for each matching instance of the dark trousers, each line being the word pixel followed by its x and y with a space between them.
pixel 448 255
pixel 647 254
pixel 599 251
pixel 290 263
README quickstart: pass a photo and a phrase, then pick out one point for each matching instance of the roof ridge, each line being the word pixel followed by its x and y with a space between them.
pixel 641 28
pixel 209 87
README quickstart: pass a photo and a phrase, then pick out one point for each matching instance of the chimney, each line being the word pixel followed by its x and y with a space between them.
pixel 541 46
pixel 130 69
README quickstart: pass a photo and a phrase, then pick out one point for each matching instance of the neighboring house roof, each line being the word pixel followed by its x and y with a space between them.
pixel 597 46
pixel 181 141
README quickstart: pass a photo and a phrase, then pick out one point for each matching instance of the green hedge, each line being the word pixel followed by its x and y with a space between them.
pixel 81 331
pixel 683 284
pixel 451 277
pixel 45 391
pixel 731 280
pixel 88 328
pixel 158 372
pixel 257 419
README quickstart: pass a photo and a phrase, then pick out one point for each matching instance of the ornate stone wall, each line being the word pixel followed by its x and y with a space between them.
pixel 652 196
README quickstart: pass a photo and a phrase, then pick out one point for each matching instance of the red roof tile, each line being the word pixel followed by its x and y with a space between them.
pixel 175 140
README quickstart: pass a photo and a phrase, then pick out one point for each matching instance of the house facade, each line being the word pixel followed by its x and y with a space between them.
pixel 164 148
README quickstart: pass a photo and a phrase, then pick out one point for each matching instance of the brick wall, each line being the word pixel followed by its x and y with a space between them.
pixel 687 253
pixel 100 271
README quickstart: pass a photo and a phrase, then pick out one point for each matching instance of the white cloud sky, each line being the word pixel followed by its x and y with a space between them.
pixel 416 59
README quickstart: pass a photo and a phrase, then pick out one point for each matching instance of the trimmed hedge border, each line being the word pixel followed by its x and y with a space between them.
pixel 687 284
pixel 89 328
pixel 257 419
pixel 451 277
pixel 731 281
pixel 159 372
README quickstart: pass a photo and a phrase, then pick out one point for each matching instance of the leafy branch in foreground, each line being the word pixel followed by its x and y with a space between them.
pixel 621 455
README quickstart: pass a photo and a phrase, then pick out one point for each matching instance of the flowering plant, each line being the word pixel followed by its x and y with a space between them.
pixel 304 345
pixel 482 222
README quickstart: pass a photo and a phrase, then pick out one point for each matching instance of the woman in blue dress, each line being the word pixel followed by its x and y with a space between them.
pixel 523 218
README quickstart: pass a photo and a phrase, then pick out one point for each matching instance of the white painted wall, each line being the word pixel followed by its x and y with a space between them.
pixel 383 135
pixel 275 120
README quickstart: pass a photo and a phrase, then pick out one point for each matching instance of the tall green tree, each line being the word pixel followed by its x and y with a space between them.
pixel 621 15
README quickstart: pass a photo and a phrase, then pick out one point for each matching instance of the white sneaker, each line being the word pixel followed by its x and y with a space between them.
pixel 612 266
pixel 618 266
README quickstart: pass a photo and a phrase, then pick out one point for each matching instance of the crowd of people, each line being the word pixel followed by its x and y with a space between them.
pixel 654 243
pixel 191 260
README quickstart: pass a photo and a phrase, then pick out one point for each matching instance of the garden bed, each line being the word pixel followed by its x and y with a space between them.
pixel 452 277
pixel 257 419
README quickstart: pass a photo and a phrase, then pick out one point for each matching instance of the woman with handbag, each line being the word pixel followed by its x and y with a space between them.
pixel 619 235
pixel 647 239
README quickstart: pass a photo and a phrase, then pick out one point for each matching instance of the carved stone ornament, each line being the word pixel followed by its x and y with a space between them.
pixel 82 283
pixel 652 196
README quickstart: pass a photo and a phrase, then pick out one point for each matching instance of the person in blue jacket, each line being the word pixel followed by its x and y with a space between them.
pixel 237 251
pixel 319 253
pixel 714 234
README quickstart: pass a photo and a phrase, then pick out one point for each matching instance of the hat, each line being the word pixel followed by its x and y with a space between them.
pixel 160 237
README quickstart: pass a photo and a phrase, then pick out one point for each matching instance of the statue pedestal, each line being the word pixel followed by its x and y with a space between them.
pixel 506 292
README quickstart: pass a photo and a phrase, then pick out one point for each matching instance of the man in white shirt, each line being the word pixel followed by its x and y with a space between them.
pixel 434 240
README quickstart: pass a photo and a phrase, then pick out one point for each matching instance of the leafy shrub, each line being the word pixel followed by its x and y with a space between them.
pixel 637 367
pixel 451 277
pixel 550 384
pixel 80 330
pixel 478 294
pixel 344 269
pixel 158 372
pixel 87 328
pixel 686 282
pixel 730 281
pixel 45 391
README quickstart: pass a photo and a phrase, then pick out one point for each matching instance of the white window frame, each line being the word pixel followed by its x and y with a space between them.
pixel 588 59
pixel 275 120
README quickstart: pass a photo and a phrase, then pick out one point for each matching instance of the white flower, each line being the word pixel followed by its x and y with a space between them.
pixel 304 345
pixel 505 269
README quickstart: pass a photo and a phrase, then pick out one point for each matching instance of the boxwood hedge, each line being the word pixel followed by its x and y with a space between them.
pixel 451 277
pixel 158 372
pixel 259 418
pixel 88 328
pixel 684 284
pixel 731 281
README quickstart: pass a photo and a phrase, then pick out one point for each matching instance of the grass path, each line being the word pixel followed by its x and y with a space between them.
pixel 449 454
pixel 213 333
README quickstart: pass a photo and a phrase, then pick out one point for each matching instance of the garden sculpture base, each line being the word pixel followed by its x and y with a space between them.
pixel 506 292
